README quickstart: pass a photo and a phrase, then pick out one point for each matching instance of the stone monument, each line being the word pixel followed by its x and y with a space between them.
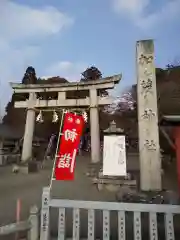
pixel 149 150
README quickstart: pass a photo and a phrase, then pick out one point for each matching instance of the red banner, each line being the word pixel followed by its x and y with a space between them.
pixel 69 143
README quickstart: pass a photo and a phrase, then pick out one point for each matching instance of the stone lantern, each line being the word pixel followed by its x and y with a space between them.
pixel 113 130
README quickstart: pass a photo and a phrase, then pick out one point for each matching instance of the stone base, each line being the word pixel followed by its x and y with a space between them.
pixel 113 185
pixel 23 169
pixel 110 183
pixel 31 167
pixel 93 169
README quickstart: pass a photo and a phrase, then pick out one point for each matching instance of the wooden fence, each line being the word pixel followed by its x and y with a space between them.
pixel 106 207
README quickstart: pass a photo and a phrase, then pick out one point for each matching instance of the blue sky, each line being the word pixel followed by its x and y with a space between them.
pixel 64 37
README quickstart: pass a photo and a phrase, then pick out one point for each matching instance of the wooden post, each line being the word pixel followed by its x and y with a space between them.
pixel 34 220
pixel 149 150
pixel 177 144
pixel 44 231
pixel 18 215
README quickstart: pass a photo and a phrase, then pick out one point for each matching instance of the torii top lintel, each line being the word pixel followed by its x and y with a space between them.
pixel 104 83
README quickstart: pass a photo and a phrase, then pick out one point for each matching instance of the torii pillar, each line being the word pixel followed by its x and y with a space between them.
pixel 94 126
pixel 29 129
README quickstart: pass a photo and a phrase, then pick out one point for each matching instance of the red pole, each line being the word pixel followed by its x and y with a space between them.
pixel 18 214
pixel 177 144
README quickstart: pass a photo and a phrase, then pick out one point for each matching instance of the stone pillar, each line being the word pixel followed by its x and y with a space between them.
pixel 149 150
pixel 29 129
pixel 94 126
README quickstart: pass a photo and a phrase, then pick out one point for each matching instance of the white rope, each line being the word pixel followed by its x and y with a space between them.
pixel 60 110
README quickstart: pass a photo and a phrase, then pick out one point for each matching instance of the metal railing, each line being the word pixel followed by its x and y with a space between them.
pixel 31 226
pixel 106 207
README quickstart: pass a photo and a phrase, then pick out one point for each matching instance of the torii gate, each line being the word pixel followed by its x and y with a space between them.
pixel 92 102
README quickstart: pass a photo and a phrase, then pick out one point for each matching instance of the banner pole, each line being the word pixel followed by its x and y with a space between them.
pixel 18 215
pixel 54 164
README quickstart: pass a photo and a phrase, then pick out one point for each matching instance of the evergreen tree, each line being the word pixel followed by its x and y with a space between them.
pixel 30 76
pixel 91 73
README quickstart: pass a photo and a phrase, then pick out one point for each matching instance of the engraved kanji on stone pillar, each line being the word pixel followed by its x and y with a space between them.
pixel 149 151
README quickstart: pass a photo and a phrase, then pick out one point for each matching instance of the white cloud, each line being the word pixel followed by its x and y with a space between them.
pixel 133 7
pixel 19 25
pixel 12 64
pixel 137 11
pixel 21 21
pixel 69 70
